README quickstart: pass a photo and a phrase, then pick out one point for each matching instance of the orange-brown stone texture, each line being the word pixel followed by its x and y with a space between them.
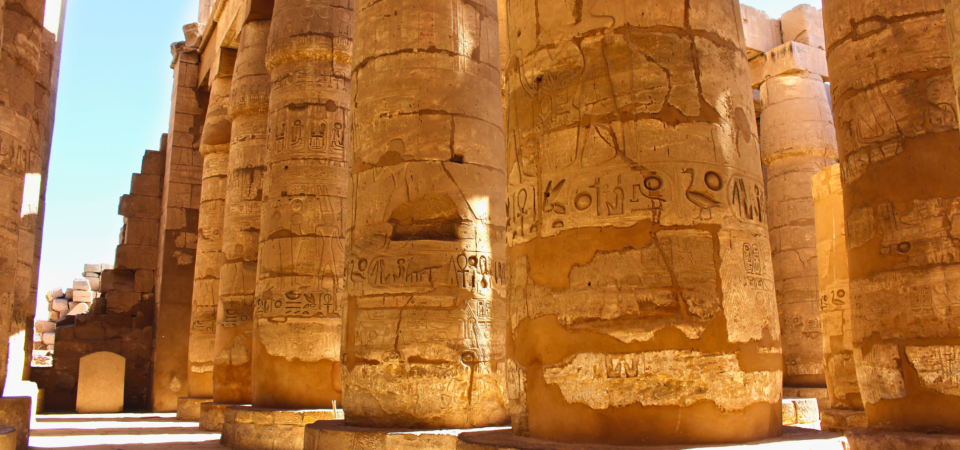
pixel 895 107
pixel 642 303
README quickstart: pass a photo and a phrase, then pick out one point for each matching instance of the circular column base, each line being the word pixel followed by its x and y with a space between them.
pixel 188 408
pixel 249 428
pixel 211 415
pixel 8 438
pixel 841 420
pixel 793 438
pixel 337 435
pixel 895 440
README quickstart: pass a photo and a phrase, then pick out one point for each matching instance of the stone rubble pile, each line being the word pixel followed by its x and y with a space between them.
pixel 63 305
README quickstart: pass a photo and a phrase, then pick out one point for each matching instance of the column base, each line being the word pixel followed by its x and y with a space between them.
pixel 249 428
pixel 794 438
pixel 821 394
pixel 800 411
pixel 211 415
pixel 896 440
pixel 841 420
pixel 188 408
pixel 337 435
pixel 15 412
pixel 8 438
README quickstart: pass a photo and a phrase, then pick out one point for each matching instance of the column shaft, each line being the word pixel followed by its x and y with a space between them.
pixel 834 285
pixel 642 304
pixel 798 139
pixel 894 100
pixel 424 338
pixel 296 355
pixel 24 97
pixel 215 148
pixel 241 224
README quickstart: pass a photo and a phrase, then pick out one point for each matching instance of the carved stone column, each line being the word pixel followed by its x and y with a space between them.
pixel 894 101
pixel 846 406
pixel 642 295
pixel 215 148
pixel 426 303
pixel 952 11
pixel 296 362
pixel 798 139
pixel 249 100
pixel 24 99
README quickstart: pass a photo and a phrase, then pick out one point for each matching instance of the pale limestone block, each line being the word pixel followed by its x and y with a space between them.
pixel 60 305
pixel 54 294
pixel 79 308
pixel 84 296
pixel 81 284
pixel 804 24
pixel 43 326
pixel 68 294
pixel 790 57
pixel 49 338
pixel 100 383
pixel 761 33
pixel 93 268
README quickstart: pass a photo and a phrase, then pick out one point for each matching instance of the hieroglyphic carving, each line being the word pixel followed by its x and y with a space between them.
pixel 879 373
pixel 426 273
pixel 937 366
pixel 635 204
pixel 300 273
pixel 670 377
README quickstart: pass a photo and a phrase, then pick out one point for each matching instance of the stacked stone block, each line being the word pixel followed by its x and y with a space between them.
pixel 179 224
pixel 121 320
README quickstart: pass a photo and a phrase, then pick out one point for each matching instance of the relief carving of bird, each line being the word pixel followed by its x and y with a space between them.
pixel 705 201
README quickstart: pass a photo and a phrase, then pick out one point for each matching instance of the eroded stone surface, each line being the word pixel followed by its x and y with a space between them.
pixel 834 285
pixel 215 148
pixel 671 377
pixel 249 101
pixel 885 440
pixel 301 265
pixel 637 223
pixel 15 413
pixel 897 130
pixel 426 274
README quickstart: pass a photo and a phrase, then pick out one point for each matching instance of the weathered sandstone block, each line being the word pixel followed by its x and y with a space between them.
pixel 803 24
pixel 642 295
pixel 894 101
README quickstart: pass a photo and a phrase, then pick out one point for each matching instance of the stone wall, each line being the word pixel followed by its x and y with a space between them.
pixel 121 321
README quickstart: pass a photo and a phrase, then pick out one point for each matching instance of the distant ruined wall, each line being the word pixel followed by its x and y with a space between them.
pixel 122 320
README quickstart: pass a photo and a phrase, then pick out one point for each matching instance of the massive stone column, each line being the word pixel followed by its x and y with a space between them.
pixel 797 140
pixel 215 148
pixel 241 224
pixel 894 102
pixel 424 336
pixel 846 406
pixel 296 363
pixel 642 305
pixel 24 98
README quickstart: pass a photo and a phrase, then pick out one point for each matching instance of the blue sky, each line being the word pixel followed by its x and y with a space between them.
pixel 114 103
